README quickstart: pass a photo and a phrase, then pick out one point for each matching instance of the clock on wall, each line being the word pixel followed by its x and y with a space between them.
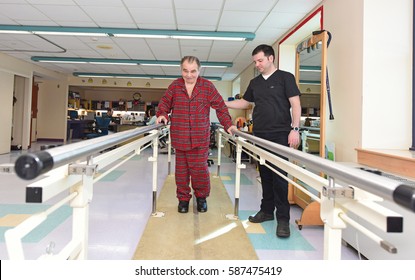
pixel 137 96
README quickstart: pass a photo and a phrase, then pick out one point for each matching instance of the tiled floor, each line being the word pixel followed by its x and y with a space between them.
pixel 122 204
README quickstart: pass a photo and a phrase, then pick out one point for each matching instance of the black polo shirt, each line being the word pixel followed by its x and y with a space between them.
pixel 272 107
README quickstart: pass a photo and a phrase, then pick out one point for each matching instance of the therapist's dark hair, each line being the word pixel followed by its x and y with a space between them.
pixel 266 49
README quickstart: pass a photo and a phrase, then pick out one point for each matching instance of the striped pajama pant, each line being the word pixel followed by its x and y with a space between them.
pixel 192 167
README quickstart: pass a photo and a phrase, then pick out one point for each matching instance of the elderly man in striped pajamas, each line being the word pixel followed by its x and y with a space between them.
pixel 186 104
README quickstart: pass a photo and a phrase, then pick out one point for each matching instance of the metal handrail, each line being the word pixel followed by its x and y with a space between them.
pixel 389 189
pixel 29 166
pixel 78 178
pixel 355 192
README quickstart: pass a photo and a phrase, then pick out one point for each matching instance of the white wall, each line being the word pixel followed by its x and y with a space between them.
pixel 6 101
pixel 287 60
pixel 387 74
pixel 371 85
pixel 344 20
pixel 52 110
pixel 9 68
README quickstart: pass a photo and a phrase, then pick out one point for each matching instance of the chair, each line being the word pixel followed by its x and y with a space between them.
pixel 101 127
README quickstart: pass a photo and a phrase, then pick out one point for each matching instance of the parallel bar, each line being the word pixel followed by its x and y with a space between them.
pixel 386 188
pixel 29 166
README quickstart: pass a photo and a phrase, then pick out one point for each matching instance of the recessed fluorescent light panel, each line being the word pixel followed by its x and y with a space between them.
pixel 113 63
pixel 161 64
pixel 128 32
pixel 15 32
pixel 70 33
pixel 149 36
pixel 50 59
pixel 138 76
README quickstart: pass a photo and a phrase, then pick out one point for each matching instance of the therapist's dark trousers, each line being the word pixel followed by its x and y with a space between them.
pixel 274 188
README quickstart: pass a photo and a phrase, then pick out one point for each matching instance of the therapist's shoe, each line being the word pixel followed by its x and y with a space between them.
pixel 283 229
pixel 261 217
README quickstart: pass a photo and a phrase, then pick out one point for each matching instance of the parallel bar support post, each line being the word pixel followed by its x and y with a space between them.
pixel 80 229
pixel 333 225
pixel 332 243
pixel 169 155
pixel 153 159
pixel 239 166
pixel 80 206
pixel 220 146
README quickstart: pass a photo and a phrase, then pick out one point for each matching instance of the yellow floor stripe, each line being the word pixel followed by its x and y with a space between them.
pixel 194 235
pixel 226 178
pixel 253 228
pixel 12 220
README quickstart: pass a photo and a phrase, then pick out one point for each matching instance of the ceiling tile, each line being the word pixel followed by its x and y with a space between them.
pixel 199 5
pixel 172 70
pixel 249 5
pixel 148 16
pixel 108 3
pixel 282 20
pixel 197 17
pixel 21 12
pixel 295 6
pixel 200 52
pixel 135 48
pixel 82 53
pixel 270 35
pixel 106 15
pixel 49 2
pixel 165 50
pixel 213 72
pixel 194 27
pixel 57 13
pixel 15 2
pixel 35 22
pixel 155 4
pixel 239 18
pixel 6 20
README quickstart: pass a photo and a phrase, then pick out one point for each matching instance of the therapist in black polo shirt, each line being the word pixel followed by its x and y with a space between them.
pixel 276 117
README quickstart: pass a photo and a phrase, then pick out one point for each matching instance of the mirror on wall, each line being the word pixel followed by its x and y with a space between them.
pixel 311 80
pixel 300 47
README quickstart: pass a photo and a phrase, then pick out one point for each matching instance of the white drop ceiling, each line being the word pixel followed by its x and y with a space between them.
pixel 268 19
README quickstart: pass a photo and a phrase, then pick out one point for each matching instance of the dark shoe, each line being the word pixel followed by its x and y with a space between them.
pixel 183 207
pixel 283 229
pixel 261 217
pixel 201 204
